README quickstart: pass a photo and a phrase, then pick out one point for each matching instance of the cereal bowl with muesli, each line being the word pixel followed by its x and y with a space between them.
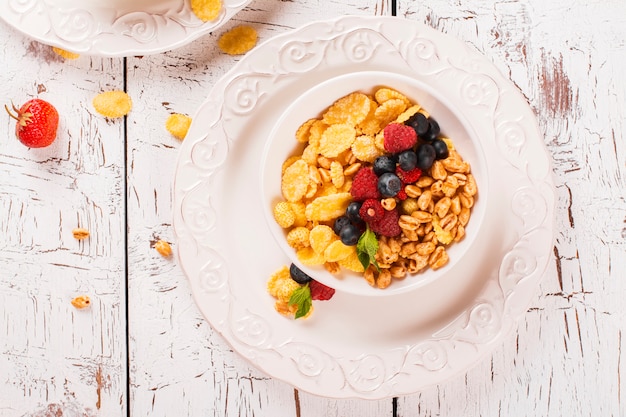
pixel 373 184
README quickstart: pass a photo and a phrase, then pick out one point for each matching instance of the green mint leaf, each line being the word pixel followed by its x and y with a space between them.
pixel 366 248
pixel 302 298
pixel 364 258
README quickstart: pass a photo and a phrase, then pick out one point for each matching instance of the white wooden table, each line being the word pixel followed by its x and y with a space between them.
pixel 143 349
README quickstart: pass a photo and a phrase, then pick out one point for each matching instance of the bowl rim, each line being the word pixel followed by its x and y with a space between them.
pixel 320 274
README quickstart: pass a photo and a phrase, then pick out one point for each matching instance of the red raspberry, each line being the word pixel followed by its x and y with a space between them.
pixel 371 210
pixel 408 177
pixel 320 291
pixel 401 195
pixel 388 225
pixel 365 185
pixel 398 137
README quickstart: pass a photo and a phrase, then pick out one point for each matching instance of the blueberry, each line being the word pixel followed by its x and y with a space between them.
pixel 340 223
pixel 441 149
pixel 350 235
pixel 384 163
pixel 389 184
pixel 433 130
pixel 352 212
pixel 298 275
pixel 407 160
pixel 425 156
pixel 419 123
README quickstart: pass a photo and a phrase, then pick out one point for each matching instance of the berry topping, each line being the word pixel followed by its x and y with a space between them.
pixel 419 123
pixel 352 212
pixel 384 163
pixel 433 130
pixel 298 275
pixel 425 156
pixel 408 177
pixel 389 184
pixel 365 185
pixel 441 149
pixel 350 234
pixel 398 137
pixel 402 195
pixel 388 225
pixel 320 291
pixel 372 211
pixel 340 223
pixel 407 159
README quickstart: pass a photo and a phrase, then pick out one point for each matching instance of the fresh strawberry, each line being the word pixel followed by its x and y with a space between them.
pixel 398 137
pixel 320 291
pixel 37 123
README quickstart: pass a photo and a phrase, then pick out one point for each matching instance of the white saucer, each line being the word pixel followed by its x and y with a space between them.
pixel 112 28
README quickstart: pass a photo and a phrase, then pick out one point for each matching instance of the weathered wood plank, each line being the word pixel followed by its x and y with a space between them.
pixel 50 353
pixel 565 359
pixel 174 352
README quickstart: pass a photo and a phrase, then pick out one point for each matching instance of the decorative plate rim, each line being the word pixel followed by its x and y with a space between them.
pixel 102 31
pixel 505 123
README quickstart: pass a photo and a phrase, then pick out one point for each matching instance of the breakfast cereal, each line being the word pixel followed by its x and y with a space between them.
pixel 384 192
pixel 238 40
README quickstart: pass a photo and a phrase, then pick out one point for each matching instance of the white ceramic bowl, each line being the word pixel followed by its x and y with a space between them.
pixel 282 144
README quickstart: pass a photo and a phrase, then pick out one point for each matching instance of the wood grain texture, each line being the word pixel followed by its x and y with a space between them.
pixel 566 357
pixel 179 365
pixel 50 353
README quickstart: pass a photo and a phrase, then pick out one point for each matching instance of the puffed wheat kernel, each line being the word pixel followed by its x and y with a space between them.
pixel 163 248
pixel 80 233
pixel 82 301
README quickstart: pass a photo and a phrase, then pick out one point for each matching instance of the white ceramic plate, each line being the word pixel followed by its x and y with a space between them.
pixel 112 27
pixel 356 346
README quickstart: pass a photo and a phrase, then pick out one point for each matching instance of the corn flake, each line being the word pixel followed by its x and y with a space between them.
pixel 178 125
pixel 351 109
pixel 315 132
pixel 320 237
pixel 112 104
pixel 299 212
pixel 352 263
pixel 389 110
pixel 364 148
pixel 295 181
pixel 298 238
pixel 370 125
pixel 284 215
pixel 65 54
pixel 302 134
pixel 336 139
pixel 328 207
pixel 309 257
pixel 238 40
pixel 288 162
pixel 386 94
pixel 406 115
pixel 206 10
pixel 336 174
pixel 337 251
